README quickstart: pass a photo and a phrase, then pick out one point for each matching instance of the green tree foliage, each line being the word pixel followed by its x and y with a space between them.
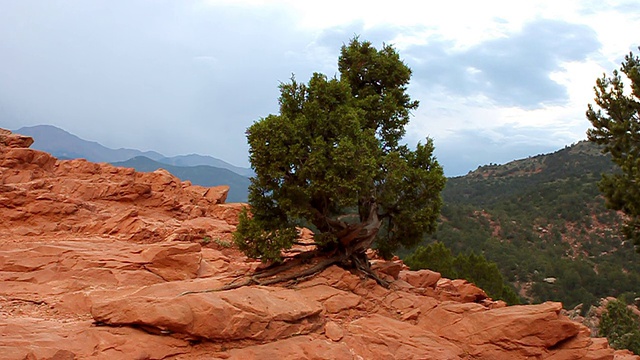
pixel 620 326
pixel 332 160
pixel 616 126
pixel 435 256
pixel 474 268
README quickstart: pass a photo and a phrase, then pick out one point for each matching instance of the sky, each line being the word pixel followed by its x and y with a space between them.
pixel 496 80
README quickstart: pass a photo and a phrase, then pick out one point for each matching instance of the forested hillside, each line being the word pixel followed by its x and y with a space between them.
pixel 544 223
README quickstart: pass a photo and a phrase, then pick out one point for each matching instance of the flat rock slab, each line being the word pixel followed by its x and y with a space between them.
pixel 255 313
pixel 380 337
pixel 32 338
pixel 295 348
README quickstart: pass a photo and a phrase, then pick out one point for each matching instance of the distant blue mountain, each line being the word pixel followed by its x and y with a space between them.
pixel 64 145
pixel 199 169
pixel 195 160
pixel 204 175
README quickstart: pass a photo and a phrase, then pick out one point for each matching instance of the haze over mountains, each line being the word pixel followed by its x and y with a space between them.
pixel 199 169
pixel 64 145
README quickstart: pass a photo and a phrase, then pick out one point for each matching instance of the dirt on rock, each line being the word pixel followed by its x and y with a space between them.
pixel 101 262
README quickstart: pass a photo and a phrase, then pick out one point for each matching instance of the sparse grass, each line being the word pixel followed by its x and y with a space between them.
pixel 218 241
pixel 223 243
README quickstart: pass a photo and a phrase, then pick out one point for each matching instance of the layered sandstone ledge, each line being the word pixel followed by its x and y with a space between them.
pixel 95 262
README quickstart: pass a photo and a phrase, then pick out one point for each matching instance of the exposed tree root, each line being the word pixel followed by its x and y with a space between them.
pixel 362 264
pixel 269 276
pixel 349 252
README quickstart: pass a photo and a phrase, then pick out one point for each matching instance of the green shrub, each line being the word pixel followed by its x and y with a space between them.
pixel 474 268
pixel 621 327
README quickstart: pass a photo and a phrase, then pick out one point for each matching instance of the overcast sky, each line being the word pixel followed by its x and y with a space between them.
pixel 496 80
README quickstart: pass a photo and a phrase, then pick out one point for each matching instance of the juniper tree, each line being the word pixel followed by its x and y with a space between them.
pixel 332 160
pixel 616 126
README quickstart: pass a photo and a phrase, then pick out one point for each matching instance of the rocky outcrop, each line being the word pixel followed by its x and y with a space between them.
pixel 43 196
pixel 99 262
pixel 10 140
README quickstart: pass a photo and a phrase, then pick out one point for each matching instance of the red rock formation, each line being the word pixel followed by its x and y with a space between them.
pixel 43 196
pixel 99 262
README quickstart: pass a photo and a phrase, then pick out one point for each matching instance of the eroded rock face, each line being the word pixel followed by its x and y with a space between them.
pixel 99 262
pixel 11 140
pixel 43 196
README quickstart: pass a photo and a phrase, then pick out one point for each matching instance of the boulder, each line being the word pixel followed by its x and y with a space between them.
pixel 11 140
pixel 459 290
pixel 391 268
pixel 254 313
pixel 531 331
pixel 173 261
pixel 421 279
pixel 333 331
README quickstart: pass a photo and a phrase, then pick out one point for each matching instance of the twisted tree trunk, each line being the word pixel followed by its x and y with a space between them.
pixel 360 237
pixel 350 251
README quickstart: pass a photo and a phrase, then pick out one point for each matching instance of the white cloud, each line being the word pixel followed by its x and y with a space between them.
pixel 518 75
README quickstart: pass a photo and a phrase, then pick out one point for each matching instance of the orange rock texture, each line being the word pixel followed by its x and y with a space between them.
pixel 100 262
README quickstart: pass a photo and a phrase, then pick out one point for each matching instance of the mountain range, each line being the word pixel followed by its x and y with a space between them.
pixel 64 145
pixel 199 169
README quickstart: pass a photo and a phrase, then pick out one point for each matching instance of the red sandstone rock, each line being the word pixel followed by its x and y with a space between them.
pixel 391 268
pixel 527 331
pixel 244 313
pixel 380 337
pixel 42 195
pixel 459 290
pixel 33 338
pixel 11 140
pixel 333 331
pixel 173 261
pixel 421 278
pixel 84 244
pixel 295 348
pixel 624 355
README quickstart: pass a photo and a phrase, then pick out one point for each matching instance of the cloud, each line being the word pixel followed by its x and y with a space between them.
pixel 466 149
pixel 336 36
pixel 509 71
pixel 169 77
pixel 190 76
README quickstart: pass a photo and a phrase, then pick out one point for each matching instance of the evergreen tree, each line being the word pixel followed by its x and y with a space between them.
pixel 332 160
pixel 621 327
pixel 616 126
pixel 435 256
pixel 474 268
